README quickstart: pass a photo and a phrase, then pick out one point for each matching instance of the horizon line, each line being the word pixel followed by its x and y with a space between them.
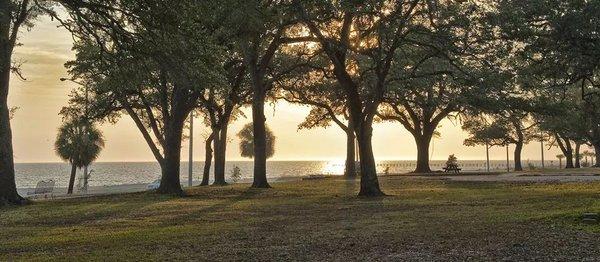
pixel 280 160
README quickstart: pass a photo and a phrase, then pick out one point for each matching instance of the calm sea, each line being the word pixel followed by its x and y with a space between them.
pixel 108 174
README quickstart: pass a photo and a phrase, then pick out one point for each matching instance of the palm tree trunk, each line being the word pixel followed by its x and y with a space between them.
pixel 72 179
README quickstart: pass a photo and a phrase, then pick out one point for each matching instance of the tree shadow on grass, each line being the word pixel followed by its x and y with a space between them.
pixel 77 211
pixel 215 208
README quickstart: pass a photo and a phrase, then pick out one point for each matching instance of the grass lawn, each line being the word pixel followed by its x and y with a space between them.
pixel 422 219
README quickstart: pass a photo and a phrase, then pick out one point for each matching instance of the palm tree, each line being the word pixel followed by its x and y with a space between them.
pixel 246 137
pixel 560 158
pixel 592 156
pixel 79 143
pixel 586 154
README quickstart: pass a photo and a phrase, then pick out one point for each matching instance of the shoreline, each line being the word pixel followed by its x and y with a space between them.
pixel 542 176
pixel 61 192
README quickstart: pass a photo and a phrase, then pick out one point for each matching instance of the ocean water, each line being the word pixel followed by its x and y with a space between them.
pixel 119 173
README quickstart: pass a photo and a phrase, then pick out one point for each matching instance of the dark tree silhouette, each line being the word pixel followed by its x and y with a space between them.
pixel 560 37
pixel 208 156
pixel 14 16
pixel 260 30
pixel 149 62
pixel 366 45
pixel 221 106
pixel 313 86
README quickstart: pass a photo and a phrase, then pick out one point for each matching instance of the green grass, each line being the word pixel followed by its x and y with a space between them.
pixel 421 219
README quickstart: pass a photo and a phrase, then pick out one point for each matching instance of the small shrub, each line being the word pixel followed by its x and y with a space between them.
pixel 236 174
pixel 531 166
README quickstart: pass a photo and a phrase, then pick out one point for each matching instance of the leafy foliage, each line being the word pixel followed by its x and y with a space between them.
pixel 11 112
pixel 247 141
pixel 79 143
pixel 484 132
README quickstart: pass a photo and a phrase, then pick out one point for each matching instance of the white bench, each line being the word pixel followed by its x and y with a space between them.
pixel 43 188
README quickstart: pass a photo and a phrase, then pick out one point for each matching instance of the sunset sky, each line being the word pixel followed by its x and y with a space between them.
pixel 46 48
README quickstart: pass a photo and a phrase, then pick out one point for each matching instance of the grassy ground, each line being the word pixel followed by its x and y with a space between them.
pixel 422 219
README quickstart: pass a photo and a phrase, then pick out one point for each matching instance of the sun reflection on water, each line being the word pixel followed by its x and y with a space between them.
pixel 334 167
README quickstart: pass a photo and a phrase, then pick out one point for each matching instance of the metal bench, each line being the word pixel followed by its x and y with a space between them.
pixel 43 188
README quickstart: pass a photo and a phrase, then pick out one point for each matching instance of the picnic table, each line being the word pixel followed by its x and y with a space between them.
pixel 454 169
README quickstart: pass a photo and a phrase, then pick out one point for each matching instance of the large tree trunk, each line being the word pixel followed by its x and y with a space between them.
pixel 8 187
pixel 260 141
pixel 369 184
pixel 577 155
pixel 350 169
pixel 72 179
pixel 423 142
pixel 207 159
pixel 569 160
pixel 170 182
pixel 568 155
pixel 518 150
pixel 566 148
pixel 220 150
pixel 517 124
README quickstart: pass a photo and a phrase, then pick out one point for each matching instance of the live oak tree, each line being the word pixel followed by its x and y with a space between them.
pixel 452 60
pixel 259 30
pixel 508 107
pixel 419 104
pixel 568 124
pixel 557 39
pixel 326 101
pixel 592 109
pixel 332 24
pixel 483 131
pixel 560 137
pixel 313 84
pixel 365 43
pixel 151 61
pixel 501 129
pixel 221 105
pixel 15 15
pixel 558 43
